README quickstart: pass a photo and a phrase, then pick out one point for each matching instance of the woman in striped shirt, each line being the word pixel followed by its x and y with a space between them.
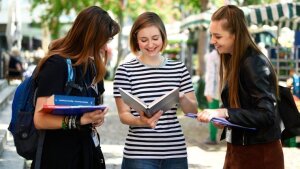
pixel 157 142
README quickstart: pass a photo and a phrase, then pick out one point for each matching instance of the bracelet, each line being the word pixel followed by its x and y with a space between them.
pixel 70 122
pixel 64 124
pixel 77 122
pixel 73 122
pixel 67 118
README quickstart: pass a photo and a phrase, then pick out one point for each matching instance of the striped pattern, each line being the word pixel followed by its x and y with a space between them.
pixel 279 14
pixel 293 24
pixel 166 140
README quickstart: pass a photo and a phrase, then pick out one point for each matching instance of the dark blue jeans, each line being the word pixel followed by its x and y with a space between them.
pixel 173 163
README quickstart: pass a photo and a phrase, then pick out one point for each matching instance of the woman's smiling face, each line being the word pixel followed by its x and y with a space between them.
pixel 150 41
pixel 222 39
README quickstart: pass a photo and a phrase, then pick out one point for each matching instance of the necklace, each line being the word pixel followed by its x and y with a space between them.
pixel 150 63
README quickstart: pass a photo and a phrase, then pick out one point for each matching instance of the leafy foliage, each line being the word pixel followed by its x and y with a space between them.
pixel 123 9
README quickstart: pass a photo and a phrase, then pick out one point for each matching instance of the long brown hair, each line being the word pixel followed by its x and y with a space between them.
pixel 235 23
pixel 90 31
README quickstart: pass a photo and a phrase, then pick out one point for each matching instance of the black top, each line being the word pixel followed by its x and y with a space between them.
pixel 12 71
pixel 67 149
pixel 257 93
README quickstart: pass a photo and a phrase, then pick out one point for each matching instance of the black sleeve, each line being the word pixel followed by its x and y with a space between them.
pixel 257 81
pixel 52 76
pixel 101 87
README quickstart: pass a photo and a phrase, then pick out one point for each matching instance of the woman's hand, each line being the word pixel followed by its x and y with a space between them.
pixel 152 121
pixel 207 114
pixel 96 118
pixel 203 116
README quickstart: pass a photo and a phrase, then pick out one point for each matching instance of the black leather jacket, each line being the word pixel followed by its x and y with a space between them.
pixel 258 103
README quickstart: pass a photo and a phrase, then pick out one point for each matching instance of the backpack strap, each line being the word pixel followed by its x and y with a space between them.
pixel 38 155
pixel 68 87
pixel 71 78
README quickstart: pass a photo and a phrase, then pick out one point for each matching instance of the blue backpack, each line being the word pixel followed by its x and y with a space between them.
pixel 296 85
pixel 28 140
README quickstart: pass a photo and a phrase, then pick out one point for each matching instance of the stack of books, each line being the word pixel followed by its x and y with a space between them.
pixel 70 105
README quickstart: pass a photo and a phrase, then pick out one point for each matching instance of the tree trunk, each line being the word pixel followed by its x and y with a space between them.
pixel 202 49
pixel 202 42
pixel 120 47
pixel 46 37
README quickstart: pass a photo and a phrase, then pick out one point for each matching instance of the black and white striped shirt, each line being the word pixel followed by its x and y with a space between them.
pixel 166 140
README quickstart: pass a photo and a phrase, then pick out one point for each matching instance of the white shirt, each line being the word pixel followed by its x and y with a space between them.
pixel 212 80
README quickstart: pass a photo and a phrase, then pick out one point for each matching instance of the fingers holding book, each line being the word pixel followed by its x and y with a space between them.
pixel 207 114
pixel 96 118
pixel 203 116
pixel 150 122
pixel 219 117
pixel 98 123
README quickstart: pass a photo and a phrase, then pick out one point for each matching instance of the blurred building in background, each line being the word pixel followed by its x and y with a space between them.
pixel 17 25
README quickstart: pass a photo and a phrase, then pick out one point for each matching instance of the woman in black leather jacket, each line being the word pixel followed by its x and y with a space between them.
pixel 249 93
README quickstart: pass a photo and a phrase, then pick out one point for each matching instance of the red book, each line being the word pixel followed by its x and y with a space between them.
pixel 71 110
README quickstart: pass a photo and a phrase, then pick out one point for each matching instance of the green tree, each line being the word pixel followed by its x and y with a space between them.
pixel 54 9
pixel 256 2
pixel 194 7
pixel 124 11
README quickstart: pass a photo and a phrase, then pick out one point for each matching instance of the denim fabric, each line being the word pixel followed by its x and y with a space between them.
pixel 173 163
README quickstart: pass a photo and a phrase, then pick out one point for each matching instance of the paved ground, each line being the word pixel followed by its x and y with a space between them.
pixel 200 156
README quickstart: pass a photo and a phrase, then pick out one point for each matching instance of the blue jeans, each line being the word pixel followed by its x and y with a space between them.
pixel 173 163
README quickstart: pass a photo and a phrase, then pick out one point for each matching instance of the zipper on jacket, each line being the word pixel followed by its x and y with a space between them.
pixel 243 138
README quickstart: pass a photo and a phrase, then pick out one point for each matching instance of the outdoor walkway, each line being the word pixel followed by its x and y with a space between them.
pixel 200 156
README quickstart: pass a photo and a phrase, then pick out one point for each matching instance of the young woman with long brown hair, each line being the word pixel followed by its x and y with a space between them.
pixel 249 95
pixel 65 146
